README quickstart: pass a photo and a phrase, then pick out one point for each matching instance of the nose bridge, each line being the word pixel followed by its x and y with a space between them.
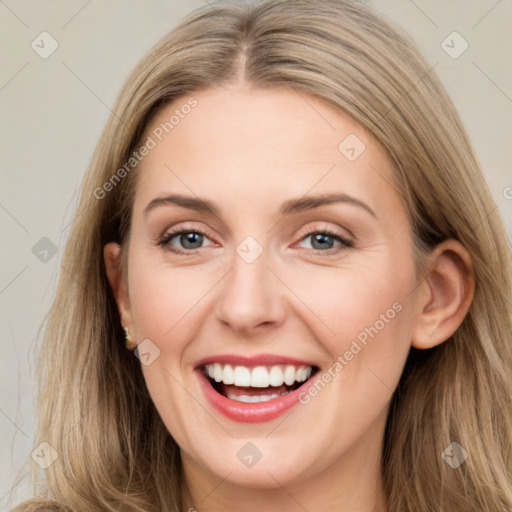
pixel 251 294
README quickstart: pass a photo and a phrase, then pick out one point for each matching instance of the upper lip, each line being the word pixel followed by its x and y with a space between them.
pixel 252 361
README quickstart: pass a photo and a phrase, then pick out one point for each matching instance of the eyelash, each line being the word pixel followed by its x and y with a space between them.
pixel 165 240
pixel 345 242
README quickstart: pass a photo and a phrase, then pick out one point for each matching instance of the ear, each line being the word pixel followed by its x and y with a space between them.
pixel 446 294
pixel 118 283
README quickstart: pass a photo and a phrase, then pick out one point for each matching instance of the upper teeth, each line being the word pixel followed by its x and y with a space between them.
pixel 259 376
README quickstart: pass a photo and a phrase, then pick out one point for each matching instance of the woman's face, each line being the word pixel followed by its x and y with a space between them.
pixel 269 281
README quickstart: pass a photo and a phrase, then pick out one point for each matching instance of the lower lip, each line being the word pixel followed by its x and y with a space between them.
pixel 251 412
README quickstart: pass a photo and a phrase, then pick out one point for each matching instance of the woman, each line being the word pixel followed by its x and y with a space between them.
pixel 286 223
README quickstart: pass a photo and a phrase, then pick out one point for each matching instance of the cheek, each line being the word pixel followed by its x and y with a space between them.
pixel 166 303
pixel 349 299
pixel 363 316
pixel 163 298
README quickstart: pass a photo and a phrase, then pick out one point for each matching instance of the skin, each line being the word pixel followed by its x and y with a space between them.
pixel 248 150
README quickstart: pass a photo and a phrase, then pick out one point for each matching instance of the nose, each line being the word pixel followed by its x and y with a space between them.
pixel 251 297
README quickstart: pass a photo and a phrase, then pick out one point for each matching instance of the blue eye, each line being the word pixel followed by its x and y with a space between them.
pixel 325 239
pixel 188 241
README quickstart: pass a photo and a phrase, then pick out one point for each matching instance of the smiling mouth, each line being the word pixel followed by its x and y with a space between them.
pixel 256 384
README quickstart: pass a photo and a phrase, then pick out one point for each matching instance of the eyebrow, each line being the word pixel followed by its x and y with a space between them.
pixel 288 207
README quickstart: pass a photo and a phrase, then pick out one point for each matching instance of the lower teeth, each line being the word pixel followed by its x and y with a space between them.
pixel 256 398
pixel 252 395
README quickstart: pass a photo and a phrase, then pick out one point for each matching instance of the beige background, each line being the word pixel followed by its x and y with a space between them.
pixel 52 112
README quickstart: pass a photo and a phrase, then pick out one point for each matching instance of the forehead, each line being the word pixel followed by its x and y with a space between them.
pixel 258 143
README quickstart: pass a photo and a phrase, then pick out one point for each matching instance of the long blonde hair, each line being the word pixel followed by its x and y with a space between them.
pixel 114 452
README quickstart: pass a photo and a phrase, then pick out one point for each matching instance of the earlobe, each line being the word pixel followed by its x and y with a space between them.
pixel 448 292
pixel 111 256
